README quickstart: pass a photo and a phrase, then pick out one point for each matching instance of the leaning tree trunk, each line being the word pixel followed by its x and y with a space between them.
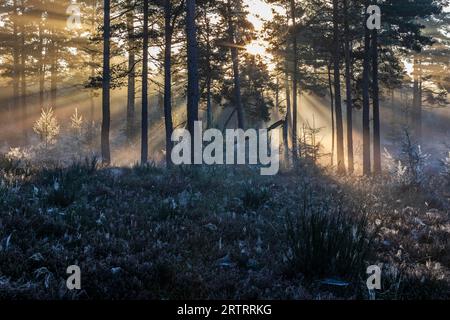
pixel 348 88
pixel 376 106
pixel 337 91
pixel 366 102
pixel 131 75
pixel 168 80
pixel 106 155
pixel 144 118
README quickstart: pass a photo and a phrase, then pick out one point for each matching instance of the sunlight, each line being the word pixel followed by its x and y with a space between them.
pixel 258 11
pixel 256 48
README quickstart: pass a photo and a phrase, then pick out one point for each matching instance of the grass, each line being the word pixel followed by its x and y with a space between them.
pixel 214 233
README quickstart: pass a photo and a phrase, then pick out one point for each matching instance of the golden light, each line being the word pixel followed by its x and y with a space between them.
pixel 256 48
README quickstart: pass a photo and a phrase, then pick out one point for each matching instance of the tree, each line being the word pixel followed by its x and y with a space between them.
pixel 366 100
pixel 169 19
pixel 47 127
pixel 235 57
pixel 144 120
pixel 294 79
pixel 106 155
pixel 348 86
pixel 192 66
pixel 376 106
pixel 337 90
pixel 131 71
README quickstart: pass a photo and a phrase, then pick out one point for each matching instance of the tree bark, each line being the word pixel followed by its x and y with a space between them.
pixel 16 71
pixel 337 91
pixel 168 80
pixel 417 100
pixel 23 79
pixel 236 74
pixel 53 52
pixel 287 119
pixel 366 102
pixel 209 113
pixel 106 155
pixel 131 95
pixel 333 129
pixel 376 106
pixel 294 81
pixel 41 67
pixel 144 120
pixel 348 87
pixel 193 84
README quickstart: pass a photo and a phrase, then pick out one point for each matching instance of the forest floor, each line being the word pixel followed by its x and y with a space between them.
pixel 218 233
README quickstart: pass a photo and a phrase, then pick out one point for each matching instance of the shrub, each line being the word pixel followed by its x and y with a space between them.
pixel 407 168
pixel 254 196
pixel 325 242
pixel 67 183
pixel 16 162
pixel 47 127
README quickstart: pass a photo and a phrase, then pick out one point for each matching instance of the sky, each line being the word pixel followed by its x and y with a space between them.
pixel 259 11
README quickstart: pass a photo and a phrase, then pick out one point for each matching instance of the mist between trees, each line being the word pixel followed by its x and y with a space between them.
pixel 138 70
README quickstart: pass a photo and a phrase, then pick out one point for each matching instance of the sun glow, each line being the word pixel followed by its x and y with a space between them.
pixel 256 48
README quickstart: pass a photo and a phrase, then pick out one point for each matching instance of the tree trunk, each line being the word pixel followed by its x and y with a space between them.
pixel 337 91
pixel 131 76
pixel 376 106
pixel 417 101
pixel 333 129
pixel 192 59
pixel 144 120
pixel 236 74
pixel 167 80
pixel 294 81
pixel 288 118
pixel 41 67
pixel 92 91
pixel 53 68
pixel 16 71
pixel 366 102
pixel 277 99
pixel 106 156
pixel 348 87
pixel 23 80
pixel 209 113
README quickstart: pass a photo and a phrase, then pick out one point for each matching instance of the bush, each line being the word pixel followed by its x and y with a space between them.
pixel 254 196
pixel 407 169
pixel 327 242
pixel 67 183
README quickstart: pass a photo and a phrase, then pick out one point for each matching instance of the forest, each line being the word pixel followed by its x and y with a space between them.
pixel 348 99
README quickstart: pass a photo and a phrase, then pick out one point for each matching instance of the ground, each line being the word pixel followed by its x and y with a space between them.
pixel 218 233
